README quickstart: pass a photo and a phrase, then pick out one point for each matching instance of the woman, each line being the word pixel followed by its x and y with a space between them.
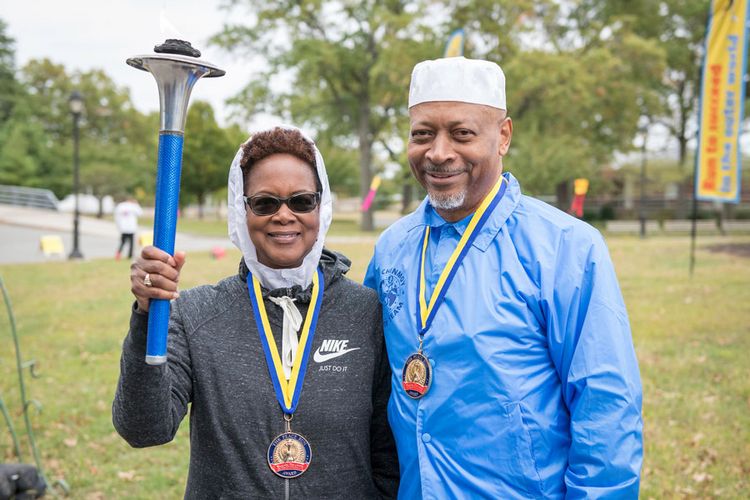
pixel 235 354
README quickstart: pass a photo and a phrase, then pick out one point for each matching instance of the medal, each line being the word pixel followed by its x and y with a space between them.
pixel 416 376
pixel 289 454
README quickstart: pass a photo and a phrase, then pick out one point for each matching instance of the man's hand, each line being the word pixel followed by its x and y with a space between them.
pixel 163 272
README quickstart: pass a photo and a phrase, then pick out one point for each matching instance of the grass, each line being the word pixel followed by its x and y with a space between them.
pixel 344 224
pixel 692 337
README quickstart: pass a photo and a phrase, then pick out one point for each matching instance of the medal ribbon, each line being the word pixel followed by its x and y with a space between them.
pixel 287 391
pixel 425 312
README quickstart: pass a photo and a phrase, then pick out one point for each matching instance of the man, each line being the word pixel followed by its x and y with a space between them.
pixel 126 219
pixel 512 310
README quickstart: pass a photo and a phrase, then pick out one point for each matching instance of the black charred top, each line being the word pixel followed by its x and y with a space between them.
pixel 174 46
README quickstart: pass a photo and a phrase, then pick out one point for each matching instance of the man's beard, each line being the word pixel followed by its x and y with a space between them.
pixel 446 201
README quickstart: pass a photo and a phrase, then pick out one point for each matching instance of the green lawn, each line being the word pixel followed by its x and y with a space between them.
pixel 692 337
pixel 344 224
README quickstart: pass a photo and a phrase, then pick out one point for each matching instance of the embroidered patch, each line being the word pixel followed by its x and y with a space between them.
pixel 392 293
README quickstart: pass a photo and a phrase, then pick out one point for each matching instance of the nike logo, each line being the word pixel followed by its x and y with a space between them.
pixel 332 349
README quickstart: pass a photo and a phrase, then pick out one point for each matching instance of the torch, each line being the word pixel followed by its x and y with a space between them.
pixel 176 68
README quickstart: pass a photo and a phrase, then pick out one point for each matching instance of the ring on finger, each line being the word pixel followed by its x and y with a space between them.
pixel 147 280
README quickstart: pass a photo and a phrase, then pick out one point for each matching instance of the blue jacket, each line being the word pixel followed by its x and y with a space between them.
pixel 536 391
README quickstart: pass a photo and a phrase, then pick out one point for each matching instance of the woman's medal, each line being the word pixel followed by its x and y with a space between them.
pixel 289 454
pixel 416 376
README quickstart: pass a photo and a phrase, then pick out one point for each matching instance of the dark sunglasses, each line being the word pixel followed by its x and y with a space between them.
pixel 267 204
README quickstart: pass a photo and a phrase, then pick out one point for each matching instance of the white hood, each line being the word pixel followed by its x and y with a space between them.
pixel 237 221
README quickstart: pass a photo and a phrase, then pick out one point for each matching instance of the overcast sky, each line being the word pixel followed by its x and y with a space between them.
pixel 87 34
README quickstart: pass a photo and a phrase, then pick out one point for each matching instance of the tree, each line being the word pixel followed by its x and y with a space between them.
pixel 118 143
pixel 575 88
pixel 349 63
pixel 678 27
pixel 208 150
pixel 9 88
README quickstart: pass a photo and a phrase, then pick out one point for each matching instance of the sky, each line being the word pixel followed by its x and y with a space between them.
pixel 88 34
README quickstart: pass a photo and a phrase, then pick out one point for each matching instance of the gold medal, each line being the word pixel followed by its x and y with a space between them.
pixel 289 454
pixel 416 376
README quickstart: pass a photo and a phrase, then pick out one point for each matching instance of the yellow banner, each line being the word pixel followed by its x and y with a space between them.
pixel 455 45
pixel 721 102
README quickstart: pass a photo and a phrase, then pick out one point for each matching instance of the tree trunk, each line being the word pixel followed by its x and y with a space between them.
pixel 683 150
pixel 100 212
pixel 365 162
pixel 407 194
pixel 201 200
pixel 562 192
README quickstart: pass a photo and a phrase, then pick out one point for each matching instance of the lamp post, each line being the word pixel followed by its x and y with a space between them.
pixel 641 208
pixel 76 108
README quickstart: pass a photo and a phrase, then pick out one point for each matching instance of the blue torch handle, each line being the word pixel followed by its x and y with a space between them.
pixel 168 172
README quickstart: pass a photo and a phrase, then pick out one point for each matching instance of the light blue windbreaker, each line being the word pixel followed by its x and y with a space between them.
pixel 536 391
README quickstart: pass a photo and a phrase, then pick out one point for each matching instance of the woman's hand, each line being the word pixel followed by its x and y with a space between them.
pixel 163 273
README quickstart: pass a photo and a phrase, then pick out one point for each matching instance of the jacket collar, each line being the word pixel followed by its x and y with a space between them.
pixel 512 196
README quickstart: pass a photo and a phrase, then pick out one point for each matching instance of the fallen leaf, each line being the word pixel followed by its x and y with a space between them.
pixel 70 442
pixel 126 475
pixel 702 477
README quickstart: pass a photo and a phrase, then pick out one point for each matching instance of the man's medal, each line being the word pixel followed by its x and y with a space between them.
pixel 289 454
pixel 416 376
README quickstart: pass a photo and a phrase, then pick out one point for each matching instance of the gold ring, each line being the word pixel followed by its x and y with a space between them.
pixel 147 280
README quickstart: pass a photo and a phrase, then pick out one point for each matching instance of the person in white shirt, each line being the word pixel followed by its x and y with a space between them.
pixel 126 219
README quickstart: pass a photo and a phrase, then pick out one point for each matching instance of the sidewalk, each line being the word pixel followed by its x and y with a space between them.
pixel 21 229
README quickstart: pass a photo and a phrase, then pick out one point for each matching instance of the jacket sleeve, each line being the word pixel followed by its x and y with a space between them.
pixel 151 401
pixel 383 456
pixel 592 348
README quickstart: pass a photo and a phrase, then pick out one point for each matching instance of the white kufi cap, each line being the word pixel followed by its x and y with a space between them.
pixel 458 79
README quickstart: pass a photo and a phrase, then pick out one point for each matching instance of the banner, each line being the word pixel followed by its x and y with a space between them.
pixel 580 188
pixel 455 45
pixel 722 99
pixel 374 185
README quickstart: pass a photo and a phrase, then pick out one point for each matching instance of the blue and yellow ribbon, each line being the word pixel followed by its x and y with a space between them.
pixel 425 312
pixel 287 391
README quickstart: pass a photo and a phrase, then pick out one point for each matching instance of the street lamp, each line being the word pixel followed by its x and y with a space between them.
pixel 641 207
pixel 76 108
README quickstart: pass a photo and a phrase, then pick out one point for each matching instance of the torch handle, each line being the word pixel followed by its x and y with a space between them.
pixel 168 170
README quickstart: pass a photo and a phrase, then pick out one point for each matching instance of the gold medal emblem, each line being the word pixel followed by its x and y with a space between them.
pixel 416 376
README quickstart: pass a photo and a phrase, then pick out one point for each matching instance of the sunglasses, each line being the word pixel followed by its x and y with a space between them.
pixel 267 204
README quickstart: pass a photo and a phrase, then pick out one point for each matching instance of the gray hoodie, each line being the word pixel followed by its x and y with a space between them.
pixel 216 362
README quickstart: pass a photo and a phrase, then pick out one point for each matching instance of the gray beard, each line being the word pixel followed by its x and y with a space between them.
pixel 447 201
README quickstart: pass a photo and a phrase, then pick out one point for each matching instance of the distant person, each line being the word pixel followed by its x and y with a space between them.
pixel 126 219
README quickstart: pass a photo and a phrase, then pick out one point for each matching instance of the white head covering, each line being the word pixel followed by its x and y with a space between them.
pixel 458 79
pixel 237 221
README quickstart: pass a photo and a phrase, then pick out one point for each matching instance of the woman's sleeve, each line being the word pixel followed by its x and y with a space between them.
pixel 151 401
pixel 384 458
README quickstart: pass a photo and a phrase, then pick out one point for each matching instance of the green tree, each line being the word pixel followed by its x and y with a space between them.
pixel 575 89
pixel 118 143
pixel 678 27
pixel 349 64
pixel 207 152
pixel 9 88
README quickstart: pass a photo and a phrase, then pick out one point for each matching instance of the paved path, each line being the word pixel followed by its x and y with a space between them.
pixel 21 229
